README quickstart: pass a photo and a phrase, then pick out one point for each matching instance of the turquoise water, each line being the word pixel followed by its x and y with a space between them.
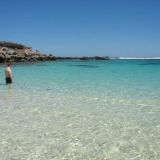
pixel 81 110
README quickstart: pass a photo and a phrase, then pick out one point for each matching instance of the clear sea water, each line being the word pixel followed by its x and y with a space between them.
pixel 81 110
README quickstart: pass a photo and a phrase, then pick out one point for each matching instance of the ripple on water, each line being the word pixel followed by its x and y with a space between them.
pixel 47 127
pixel 108 115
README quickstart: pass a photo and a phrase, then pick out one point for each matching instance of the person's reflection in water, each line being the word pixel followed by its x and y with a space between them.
pixel 10 90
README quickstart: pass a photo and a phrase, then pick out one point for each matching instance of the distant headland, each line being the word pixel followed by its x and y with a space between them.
pixel 15 52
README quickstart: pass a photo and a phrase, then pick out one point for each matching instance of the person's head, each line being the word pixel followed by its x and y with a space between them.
pixel 8 64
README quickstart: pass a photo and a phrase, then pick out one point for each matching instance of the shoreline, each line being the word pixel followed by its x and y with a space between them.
pixel 76 59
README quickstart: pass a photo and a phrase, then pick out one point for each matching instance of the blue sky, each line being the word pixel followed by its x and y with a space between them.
pixel 84 27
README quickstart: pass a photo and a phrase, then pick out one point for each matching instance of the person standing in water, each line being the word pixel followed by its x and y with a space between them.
pixel 8 74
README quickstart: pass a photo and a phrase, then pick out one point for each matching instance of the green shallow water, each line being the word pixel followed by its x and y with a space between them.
pixel 98 110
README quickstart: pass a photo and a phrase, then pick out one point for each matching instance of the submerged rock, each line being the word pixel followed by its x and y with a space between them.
pixel 20 53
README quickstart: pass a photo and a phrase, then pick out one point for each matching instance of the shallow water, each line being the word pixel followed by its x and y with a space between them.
pixel 81 110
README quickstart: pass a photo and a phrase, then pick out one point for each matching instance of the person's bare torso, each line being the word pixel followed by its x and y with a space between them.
pixel 8 72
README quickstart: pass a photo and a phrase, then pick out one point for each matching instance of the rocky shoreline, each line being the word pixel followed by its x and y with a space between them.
pixel 15 52
pixel 83 58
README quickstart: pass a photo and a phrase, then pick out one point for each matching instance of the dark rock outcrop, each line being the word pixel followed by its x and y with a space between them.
pixel 15 52
pixel 101 58
pixel 83 58
pixel 95 58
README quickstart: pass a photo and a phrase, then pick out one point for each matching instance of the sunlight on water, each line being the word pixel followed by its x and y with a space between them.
pixel 81 113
